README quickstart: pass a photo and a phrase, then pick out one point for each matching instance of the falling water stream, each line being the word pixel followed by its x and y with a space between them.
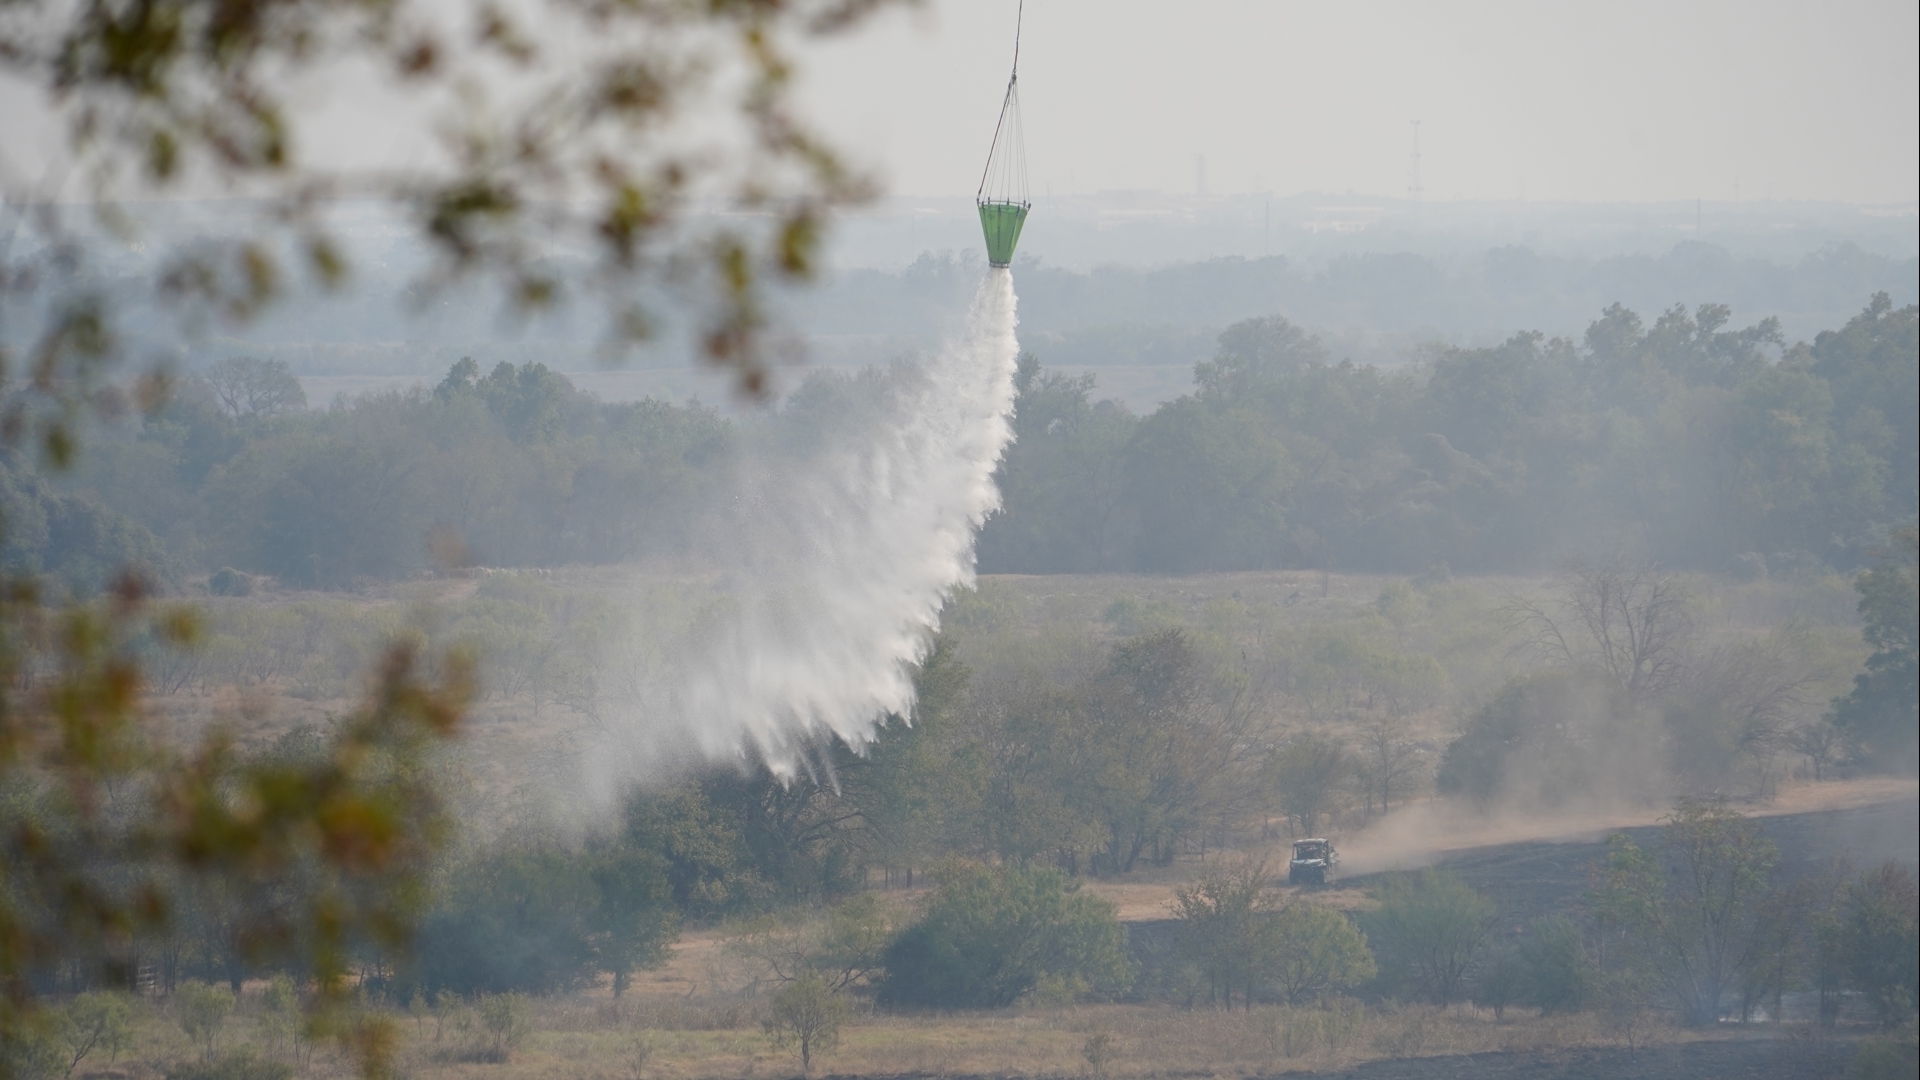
pixel 834 567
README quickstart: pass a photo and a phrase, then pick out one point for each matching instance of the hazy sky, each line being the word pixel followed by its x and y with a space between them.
pixel 1621 100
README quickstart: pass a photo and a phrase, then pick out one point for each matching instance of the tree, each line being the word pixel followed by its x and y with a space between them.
pixel 922 789
pixel 96 1021
pixel 1879 714
pixel 526 401
pixel 709 869
pixel 1736 705
pixel 1429 932
pixel 1225 917
pixel 1390 763
pixel 522 918
pixel 280 1019
pixel 1152 757
pixel 807 1013
pixel 1062 480
pixel 1500 983
pixel 1778 945
pixel 1398 603
pixel 247 387
pixel 846 948
pixel 1559 976
pixel 1253 355
pixel 990 934
pixel 77 542
pixel 1487 401
pixel 1825 941
pixel 1691 909
pixel 1820 742
pixel 1869 365
pixel 1879 945
pixel 1245 935
pixel 1311 950
pixel 505 1016
pixel 1307 774
pixel 633 920
pixel 1629 620
pixel 1208 487
pixel 202 1011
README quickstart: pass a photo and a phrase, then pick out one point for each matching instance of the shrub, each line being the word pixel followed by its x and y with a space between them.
pixel 281 1020
pixel 31 1052
pixel 807 1013
pixel 1559 975
pixel 1879 940
pixel 1310 950
pixel 1529 741
pixel 241 1066
pixel 1225 916
pixel 508 1024
pixel 989 935
pixel 227 581
pixel 1886 1057
pixel 1429 930
pixel 509 921
pixel 202 1011
pixel 1499 983
pixel 96 1021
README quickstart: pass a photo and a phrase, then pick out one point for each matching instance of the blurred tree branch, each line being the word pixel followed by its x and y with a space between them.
pixel 637 153
pixel 109 834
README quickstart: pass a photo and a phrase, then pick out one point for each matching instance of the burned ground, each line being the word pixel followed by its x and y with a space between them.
pixel 1536 879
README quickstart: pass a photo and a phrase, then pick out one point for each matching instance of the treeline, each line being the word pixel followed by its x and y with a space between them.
pixel 1117 314
pixel 1701 445
pixel 513 467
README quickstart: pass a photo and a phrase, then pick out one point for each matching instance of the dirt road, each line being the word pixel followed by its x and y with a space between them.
pixel 1533 879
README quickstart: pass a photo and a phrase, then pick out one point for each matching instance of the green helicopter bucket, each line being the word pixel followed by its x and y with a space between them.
pixel 1002 221
pixel 1002 197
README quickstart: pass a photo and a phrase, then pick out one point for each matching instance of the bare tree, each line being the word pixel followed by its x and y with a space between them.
pixel 1389 763
pixel 807 1014
pixel 248 387
pixel 1758 688
pixel 1629 620
pixel 1820 743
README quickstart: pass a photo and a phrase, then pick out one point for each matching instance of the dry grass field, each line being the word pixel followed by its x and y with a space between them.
pixel 652 1035
pixel 701 1015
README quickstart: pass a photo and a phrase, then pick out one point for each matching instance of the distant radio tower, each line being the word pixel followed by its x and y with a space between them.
pixel 1413 167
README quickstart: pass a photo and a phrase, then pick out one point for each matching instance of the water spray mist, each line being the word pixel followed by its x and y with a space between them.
pixel 835 571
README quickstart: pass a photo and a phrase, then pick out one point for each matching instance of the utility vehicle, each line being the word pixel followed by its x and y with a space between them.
pixel 1313 861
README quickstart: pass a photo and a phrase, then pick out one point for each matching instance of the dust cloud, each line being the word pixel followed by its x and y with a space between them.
pixel 1422 832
